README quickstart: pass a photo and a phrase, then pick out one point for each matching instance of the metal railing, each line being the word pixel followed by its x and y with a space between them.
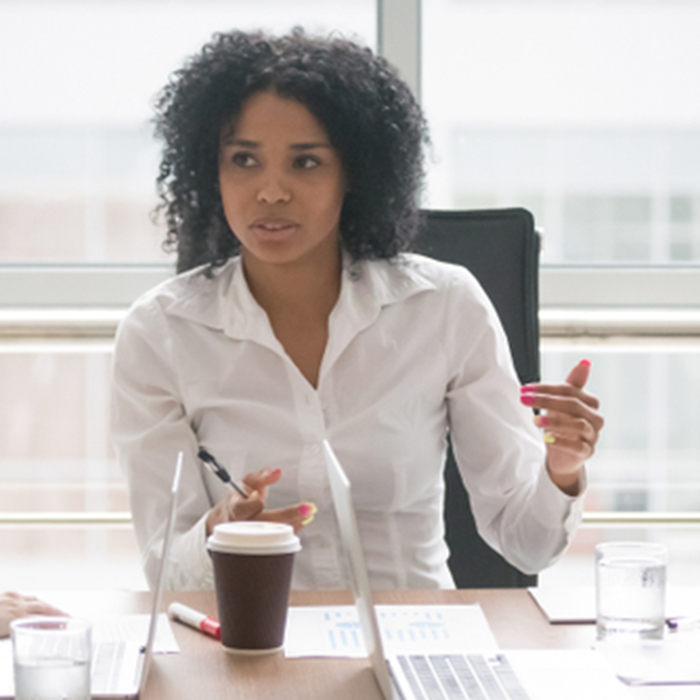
pixel 591 518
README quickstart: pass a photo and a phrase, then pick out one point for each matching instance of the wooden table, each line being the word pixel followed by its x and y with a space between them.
pixel 203 671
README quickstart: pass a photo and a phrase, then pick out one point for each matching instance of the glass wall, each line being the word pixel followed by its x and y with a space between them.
pixel 77 159
pixel 77 171
pixel 583 112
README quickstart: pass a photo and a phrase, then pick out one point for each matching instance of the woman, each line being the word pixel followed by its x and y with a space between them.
pixel 289 181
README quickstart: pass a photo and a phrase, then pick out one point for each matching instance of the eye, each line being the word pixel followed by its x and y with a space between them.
pixel 306 162
pixel 243 159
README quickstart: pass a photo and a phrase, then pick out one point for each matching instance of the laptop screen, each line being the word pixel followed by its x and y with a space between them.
pixel 350 536
pixel 160 581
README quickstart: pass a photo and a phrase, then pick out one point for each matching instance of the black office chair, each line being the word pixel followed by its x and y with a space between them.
pixel 501 249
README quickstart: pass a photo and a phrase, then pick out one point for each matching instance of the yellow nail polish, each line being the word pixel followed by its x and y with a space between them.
pixel 548 438
pixel 306 521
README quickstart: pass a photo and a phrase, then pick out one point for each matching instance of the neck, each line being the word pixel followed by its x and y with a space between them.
pixel 304 289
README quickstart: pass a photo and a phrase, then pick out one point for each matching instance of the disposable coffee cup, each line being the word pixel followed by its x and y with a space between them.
pixel 252 573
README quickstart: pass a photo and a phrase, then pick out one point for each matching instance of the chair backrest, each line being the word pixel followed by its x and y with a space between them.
pixel 501 249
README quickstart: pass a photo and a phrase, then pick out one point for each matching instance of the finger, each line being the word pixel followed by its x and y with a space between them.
pixel 564 404
pixel 39 607
pixel 298 516
pixel 566 427
pixel 246 509
pixel 259 480
pixel 579 374
pixel 577 451
pixel 561 390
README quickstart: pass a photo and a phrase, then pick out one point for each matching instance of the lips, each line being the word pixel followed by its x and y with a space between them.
pixel 273 228
pixel 273 224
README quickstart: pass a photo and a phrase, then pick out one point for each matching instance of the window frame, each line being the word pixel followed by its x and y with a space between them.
pixel 80 305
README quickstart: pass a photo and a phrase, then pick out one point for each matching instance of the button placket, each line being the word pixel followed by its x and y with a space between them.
pixel 321 536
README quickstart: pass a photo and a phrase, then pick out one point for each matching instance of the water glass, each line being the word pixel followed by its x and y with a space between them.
pixel 630 590
pixel 51 657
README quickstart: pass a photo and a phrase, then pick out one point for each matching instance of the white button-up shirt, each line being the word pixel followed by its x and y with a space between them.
pixel 414 349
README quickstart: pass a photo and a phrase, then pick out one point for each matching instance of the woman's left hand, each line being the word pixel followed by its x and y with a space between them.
pixel 571 424
pixel 14 605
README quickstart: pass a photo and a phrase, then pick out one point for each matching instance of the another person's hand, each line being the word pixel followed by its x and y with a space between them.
pixel 14 605
pixel 234 507
pixel 571 424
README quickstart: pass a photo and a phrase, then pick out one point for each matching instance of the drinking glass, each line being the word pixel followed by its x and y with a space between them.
pixel 51 657
pixel 630 590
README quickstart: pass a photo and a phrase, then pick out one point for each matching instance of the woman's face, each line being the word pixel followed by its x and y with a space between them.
pixel 282 183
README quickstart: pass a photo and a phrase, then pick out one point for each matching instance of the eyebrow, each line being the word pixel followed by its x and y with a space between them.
pixel 233 141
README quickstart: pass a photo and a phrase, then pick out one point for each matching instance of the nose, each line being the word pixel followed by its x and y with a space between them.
pixel 274 190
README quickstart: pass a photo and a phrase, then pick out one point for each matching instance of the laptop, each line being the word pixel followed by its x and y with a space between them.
pixel 511 675
pixel 119 669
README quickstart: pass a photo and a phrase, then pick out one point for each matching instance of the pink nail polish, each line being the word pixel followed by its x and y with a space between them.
pixel 541 421
pixel 585 362
pixel 527 389
pixel 527 399
pixel 305 510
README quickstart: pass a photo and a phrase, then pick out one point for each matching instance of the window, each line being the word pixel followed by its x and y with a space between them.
pixel 549 105
pixel 77 170
pixel 77 158
pixel 536 103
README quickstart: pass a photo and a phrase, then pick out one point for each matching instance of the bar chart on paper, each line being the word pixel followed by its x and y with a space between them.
pixel 335 630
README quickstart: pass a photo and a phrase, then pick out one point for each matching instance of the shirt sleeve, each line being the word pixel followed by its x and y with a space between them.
pixel 518 510
pixel 149 428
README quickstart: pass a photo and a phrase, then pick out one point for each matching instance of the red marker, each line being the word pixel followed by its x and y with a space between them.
pixel 195 619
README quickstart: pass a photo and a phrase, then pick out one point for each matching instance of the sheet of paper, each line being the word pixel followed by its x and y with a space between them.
pixel 134 628
pixel 566 604
pixel 671 661
pixel 335 630
pixel 576 604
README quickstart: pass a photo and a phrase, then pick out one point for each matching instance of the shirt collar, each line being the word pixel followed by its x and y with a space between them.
pixel 226 303
pixel 368 286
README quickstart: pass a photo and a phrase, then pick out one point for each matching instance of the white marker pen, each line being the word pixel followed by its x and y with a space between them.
pixel 195 619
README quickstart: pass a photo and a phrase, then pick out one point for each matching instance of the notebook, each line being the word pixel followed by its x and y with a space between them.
pixel 473 675
pixel 120 669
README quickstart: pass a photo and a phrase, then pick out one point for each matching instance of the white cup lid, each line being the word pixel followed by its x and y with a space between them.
pixel 254 537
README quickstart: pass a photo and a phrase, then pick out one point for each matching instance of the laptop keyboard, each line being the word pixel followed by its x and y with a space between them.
pixel 107 658
pixel 461 677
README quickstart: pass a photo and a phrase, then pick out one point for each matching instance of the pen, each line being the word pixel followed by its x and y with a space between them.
pixel 219 470
pixel 195 619
pixel 677 624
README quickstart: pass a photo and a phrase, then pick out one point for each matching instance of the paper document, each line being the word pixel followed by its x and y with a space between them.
pixel 134 628
pixel 576 604
pixel 335 630
pixel 671 661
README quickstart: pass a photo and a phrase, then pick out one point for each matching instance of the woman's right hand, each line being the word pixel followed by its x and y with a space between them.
pixel 234 507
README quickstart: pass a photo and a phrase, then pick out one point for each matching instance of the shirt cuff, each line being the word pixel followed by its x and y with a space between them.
pixel 552 505
pixel 194 563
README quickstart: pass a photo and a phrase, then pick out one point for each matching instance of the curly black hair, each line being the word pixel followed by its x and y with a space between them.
pixel 370 115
